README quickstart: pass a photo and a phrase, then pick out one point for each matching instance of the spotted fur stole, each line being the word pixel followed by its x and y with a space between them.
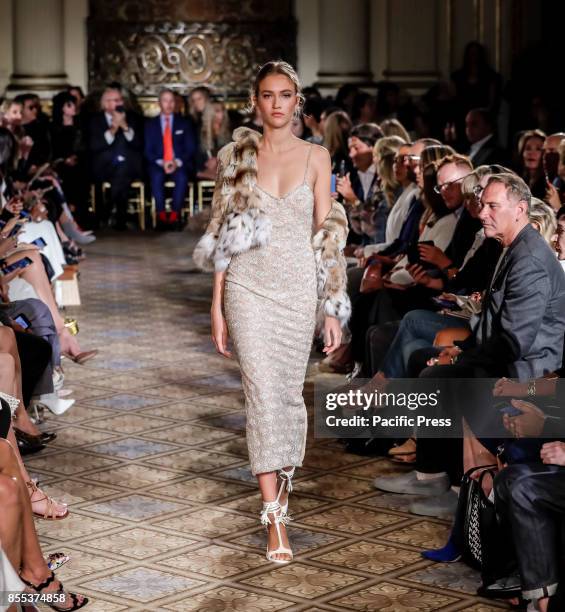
pixel 238 223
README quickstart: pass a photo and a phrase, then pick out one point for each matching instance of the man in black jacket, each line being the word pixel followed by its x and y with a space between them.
pixel 519 334
pixel 116 144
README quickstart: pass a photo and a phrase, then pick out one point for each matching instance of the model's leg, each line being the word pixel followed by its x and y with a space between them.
pixel 33 566
pixel 10 525
pixel 269 487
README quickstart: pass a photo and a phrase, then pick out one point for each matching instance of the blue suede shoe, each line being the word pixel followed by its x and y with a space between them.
pixel 450 553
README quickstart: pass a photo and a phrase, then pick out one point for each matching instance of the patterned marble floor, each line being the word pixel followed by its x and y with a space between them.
pixel 152 459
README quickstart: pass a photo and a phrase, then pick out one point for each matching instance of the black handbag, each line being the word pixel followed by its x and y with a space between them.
pixel 474 515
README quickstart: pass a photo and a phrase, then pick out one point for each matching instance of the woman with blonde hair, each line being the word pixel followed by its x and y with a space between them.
pixel 393 127
pixel 215 131
pixel 275 243
pixel 384 153
pixel 542 218
pixel 374 213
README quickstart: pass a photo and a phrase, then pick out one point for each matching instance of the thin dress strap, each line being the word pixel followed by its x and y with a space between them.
pixel 308 161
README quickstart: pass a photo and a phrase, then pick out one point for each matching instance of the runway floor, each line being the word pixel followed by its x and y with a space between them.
pixel 152 459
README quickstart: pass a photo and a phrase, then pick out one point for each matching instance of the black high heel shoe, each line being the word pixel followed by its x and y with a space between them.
pixel 28 445
pixel 38 588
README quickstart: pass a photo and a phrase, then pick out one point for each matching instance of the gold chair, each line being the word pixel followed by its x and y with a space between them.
pixel 137 201
pixel 189 199
pixel 205 193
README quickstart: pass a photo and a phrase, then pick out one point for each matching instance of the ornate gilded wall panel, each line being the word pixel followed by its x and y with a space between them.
pixel 190 10
pixel 140 44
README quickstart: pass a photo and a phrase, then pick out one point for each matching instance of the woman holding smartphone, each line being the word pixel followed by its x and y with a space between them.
pixel 277 272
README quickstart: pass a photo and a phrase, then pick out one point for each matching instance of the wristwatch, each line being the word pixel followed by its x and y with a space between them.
pixel 531 388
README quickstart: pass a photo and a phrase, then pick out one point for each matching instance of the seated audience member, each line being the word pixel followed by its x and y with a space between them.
pixel 409 205
pixel 67 146
pixel 560 237
pixel 543 220
pixel 554 169
pixel 40 326
pixel 115 144
pixel 312 113
pixel 337 127
pixel 19 538
pixel 78 94
pixel 170 150
pixel 357 188
pixel 375 213
pixel 530 161
pixel 450 227
pixel 393 127
pixel 349 356
pixel 37 130
pixel 419 327
pixel 11 114
pixel 181 105
pixel 519 334
pixel 406 179
pixel 364 108
pixel 12 121
pixel 531 508
pixel 298 128
pixel 484 148
pixel 197 100
pixel 345 97
pixel 215 132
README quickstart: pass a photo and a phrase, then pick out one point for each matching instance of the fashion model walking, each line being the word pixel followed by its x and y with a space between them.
pixel 275 242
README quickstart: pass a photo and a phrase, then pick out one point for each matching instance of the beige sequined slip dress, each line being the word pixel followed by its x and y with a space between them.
pixel 270 302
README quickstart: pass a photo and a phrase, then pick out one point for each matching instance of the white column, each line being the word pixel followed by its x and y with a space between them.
pixel 344 43
pixel 38 44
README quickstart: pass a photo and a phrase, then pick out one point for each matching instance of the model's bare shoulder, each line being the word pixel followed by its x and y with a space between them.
pixel 320 155
pixel 320 161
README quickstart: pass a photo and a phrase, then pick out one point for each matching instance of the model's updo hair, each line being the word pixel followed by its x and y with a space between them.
pixel 284 69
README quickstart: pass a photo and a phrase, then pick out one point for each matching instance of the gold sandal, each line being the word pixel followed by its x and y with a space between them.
pixel 50 511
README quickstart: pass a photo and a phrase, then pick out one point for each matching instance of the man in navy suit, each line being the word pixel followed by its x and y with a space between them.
pixel 115 142
pixel 170 149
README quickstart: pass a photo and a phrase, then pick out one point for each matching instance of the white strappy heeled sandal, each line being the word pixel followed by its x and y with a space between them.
pixel 275 509
pixel 286 482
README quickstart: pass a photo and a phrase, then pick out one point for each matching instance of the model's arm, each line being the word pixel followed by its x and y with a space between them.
pixel 219 325
pixel 322 168
pixel 321 165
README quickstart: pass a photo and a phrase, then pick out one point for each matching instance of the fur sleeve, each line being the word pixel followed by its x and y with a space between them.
pixel 203 254
pixel 328 244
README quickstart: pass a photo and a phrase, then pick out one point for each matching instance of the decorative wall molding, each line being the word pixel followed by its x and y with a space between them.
pixel 148 56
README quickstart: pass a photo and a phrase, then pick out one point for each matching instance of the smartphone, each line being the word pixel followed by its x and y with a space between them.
pixel 20 264
pixel 22 320
pixel 39 242
pixel 15 230
pixel 333 187
pixel 509 410
pixel 445 303
pixel 24 214
pixel 120 108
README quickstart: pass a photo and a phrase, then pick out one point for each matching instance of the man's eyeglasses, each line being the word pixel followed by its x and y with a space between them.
pixel 439 188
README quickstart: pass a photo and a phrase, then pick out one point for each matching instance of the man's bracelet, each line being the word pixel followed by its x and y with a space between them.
pixel 531 388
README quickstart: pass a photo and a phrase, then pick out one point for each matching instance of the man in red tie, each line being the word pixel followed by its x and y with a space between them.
pixel 170 149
